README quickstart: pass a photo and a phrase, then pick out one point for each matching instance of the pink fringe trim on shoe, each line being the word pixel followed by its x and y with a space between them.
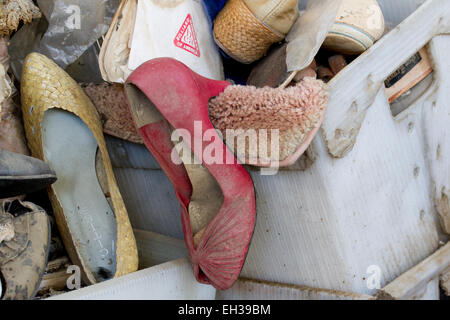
pixel 295 111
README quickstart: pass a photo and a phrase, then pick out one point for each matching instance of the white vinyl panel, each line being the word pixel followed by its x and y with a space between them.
pixel 170 281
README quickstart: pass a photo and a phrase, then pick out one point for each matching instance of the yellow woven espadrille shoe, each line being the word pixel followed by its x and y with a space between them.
pixel 64 129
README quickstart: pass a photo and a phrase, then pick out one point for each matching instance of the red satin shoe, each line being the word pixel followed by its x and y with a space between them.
pixel 164 94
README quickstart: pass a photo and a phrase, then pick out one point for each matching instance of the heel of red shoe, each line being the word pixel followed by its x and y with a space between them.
pixel 210 88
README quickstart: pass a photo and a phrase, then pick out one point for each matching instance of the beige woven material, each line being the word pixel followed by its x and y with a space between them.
pixel 241 34
pixel 46 86
pixel 12 12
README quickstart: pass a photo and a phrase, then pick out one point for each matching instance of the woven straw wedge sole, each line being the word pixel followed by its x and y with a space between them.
pixel 241 35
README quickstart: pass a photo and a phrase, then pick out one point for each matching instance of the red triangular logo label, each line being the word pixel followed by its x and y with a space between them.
pixel 186 38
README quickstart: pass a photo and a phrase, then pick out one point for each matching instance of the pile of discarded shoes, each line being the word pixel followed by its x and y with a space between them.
pixel 162 84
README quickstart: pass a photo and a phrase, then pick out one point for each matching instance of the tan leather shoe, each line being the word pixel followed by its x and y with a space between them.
pixel 245 29
pixel 64 128
pixel 358 25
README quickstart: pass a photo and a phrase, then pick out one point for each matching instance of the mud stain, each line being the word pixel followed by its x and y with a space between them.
pixel 416 172
pixel 443 208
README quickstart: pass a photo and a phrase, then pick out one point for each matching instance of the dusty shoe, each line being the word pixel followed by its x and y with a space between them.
pixel 20 174
pixel 24 244
pixel 359 23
